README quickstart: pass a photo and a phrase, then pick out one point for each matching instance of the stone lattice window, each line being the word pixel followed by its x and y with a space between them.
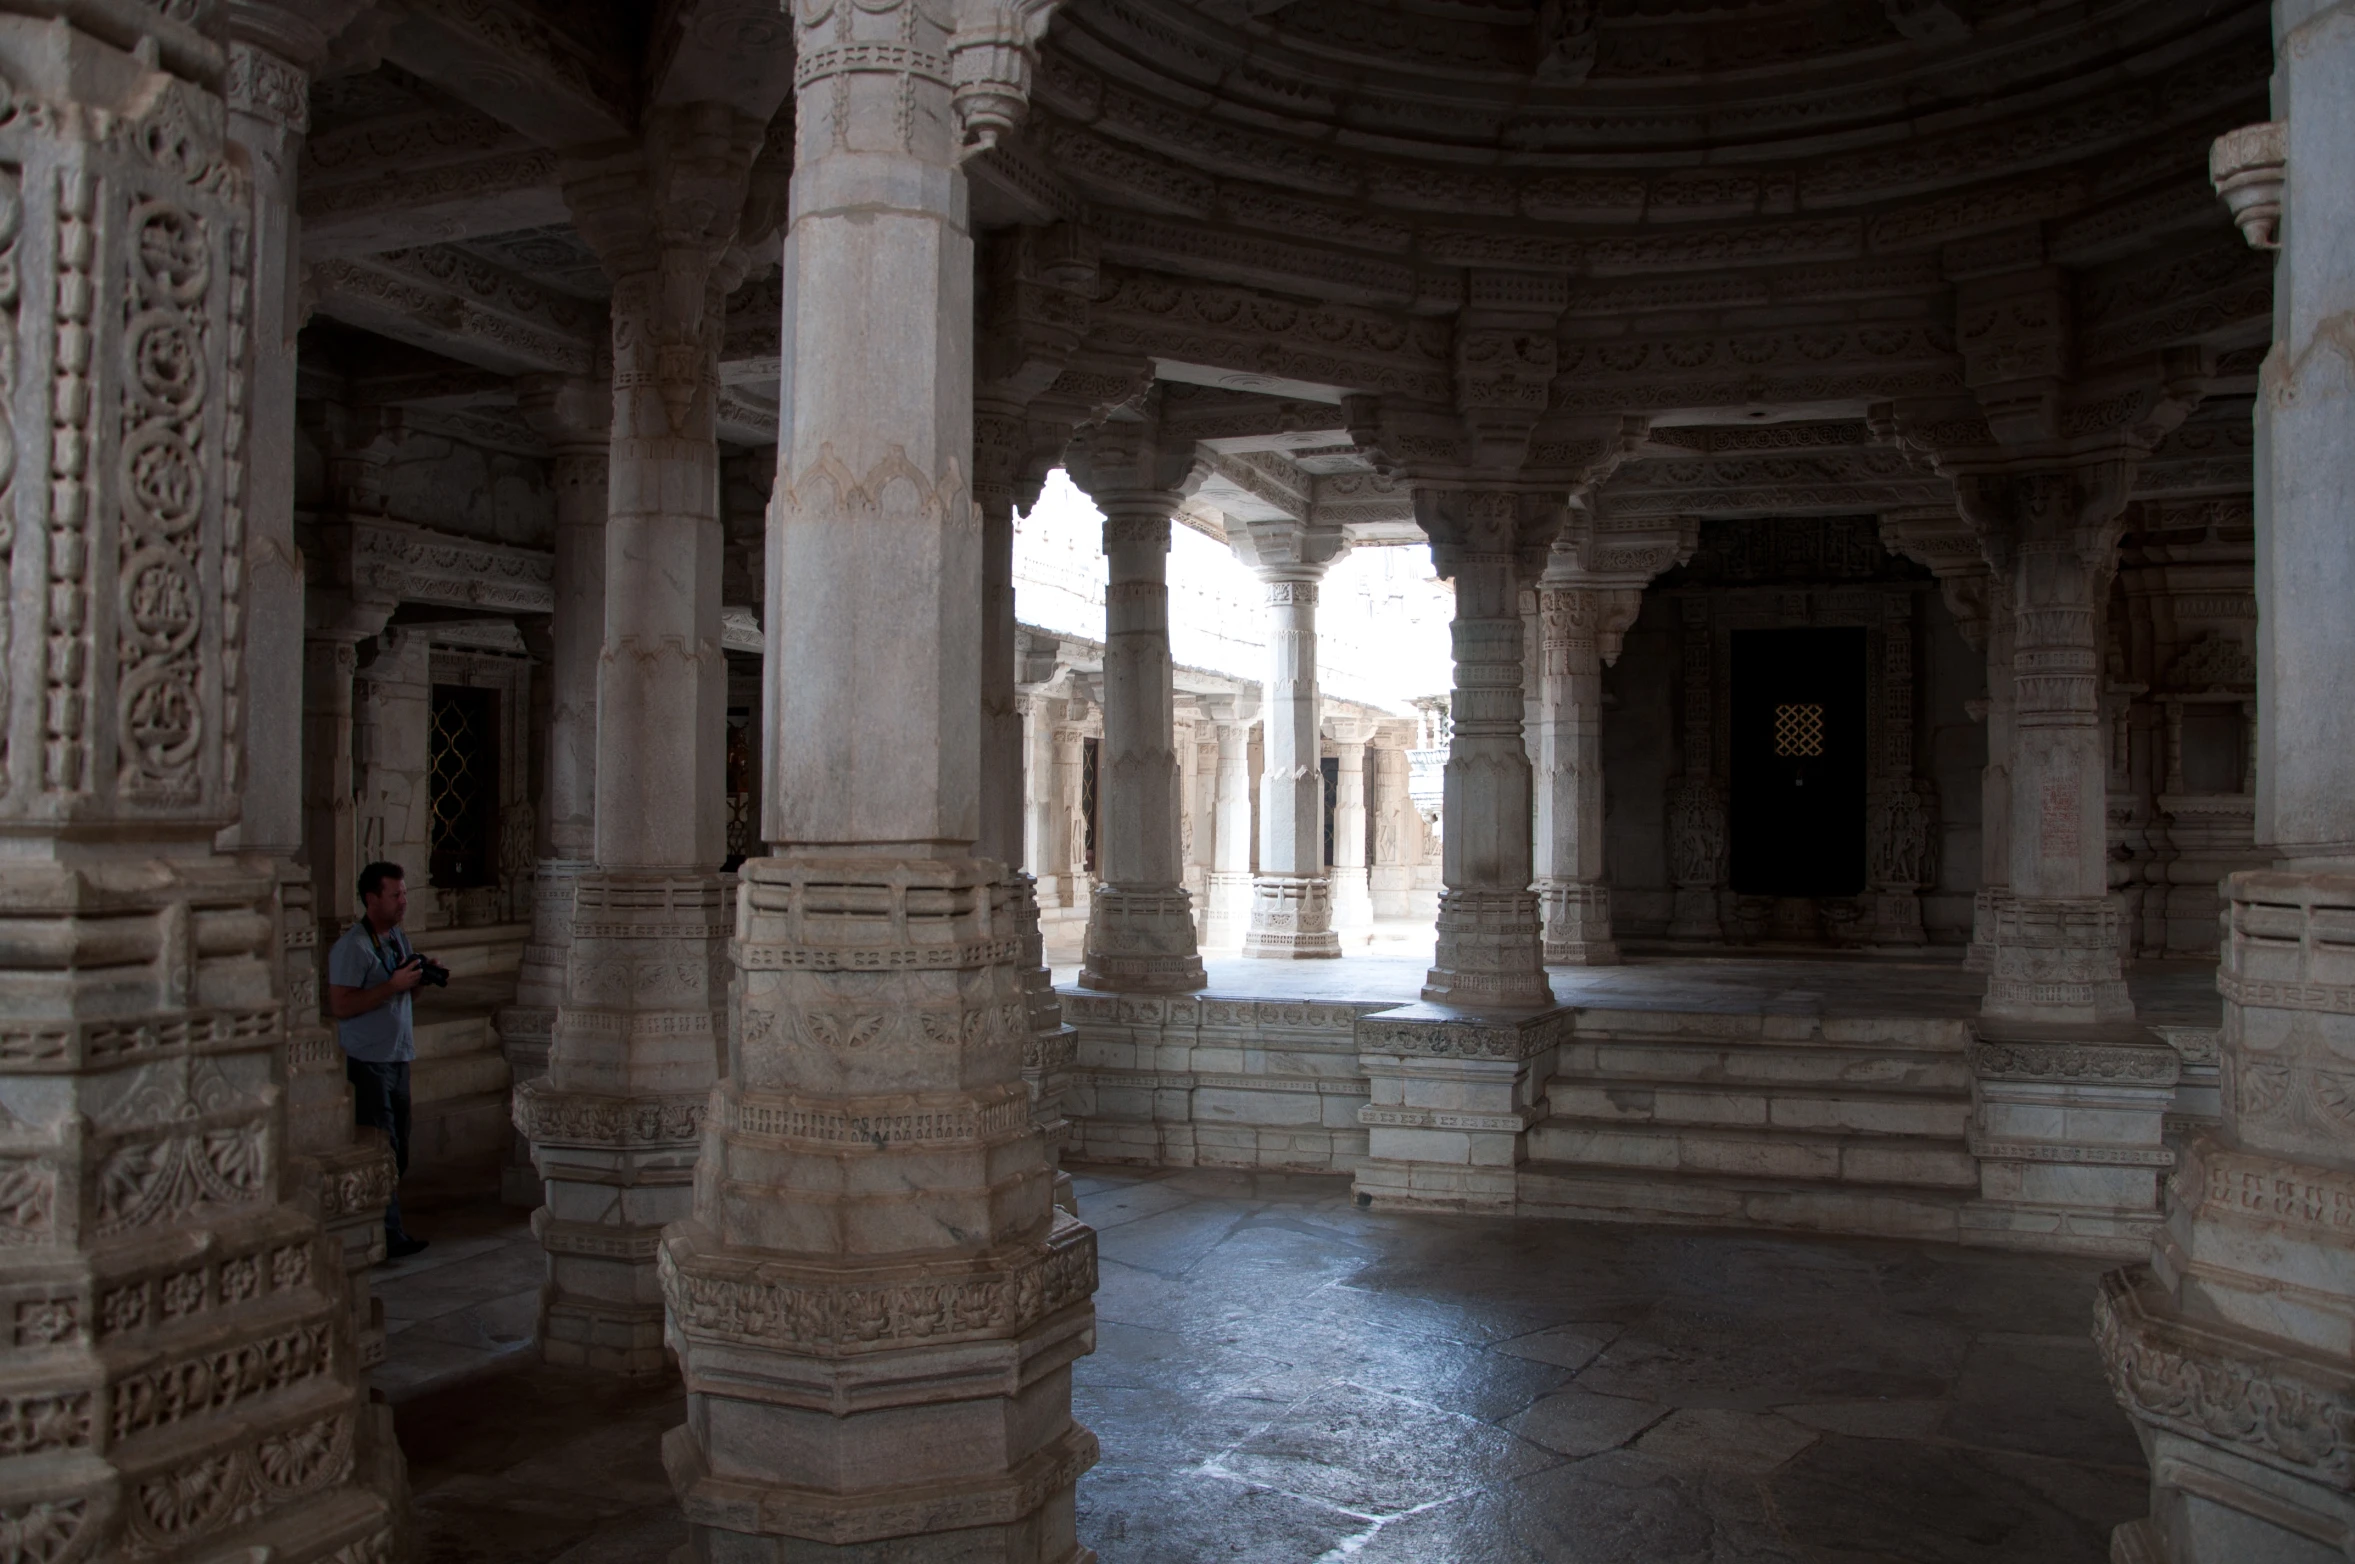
pixel 462 781
pixel 1087 800
pixel 1798 730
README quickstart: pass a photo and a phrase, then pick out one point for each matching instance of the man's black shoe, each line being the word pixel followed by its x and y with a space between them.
pixel 402 1247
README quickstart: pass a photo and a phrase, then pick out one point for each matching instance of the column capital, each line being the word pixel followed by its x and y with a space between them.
pixel 1349 730
pixel 573 413
pixel 275 47
pixel 1130 468
pixel 1286 550
pixel 1488 523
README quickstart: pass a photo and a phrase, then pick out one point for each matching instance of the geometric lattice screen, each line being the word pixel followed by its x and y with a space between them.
pixel 1798 730
pixel 462 786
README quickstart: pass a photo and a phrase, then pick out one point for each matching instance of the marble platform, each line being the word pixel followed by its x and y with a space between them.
pixel 1846 1095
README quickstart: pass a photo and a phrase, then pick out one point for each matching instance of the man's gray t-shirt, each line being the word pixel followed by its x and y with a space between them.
pixel 384 1035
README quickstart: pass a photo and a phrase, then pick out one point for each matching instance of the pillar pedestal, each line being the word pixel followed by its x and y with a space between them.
pixel 1452 1100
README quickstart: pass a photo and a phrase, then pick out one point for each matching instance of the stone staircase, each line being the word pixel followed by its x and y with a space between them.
pixel 1777 1121
pixel 460 1083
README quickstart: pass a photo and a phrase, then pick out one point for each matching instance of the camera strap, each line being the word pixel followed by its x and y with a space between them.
pixel 375 945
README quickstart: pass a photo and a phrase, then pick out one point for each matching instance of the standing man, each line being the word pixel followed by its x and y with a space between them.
pixel 370 974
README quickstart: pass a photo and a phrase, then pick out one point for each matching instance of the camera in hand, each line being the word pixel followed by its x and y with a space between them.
pixel 431 973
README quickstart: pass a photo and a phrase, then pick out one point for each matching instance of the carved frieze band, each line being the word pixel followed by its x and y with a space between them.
pixel 547 1117
pixel 1464 1037
pixel 2100 1064
pixel 775 1304
pixel 393 561
pixel 2294 1413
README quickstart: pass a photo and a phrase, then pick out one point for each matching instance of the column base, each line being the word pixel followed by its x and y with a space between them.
pixel 1452 1099
pixel 1353 903
pixel 354 1186
pixel 1229 912
pixel 2055 960
pixel 1896 918
pixel 1577 917
pixel 2069 1129
pixel 1693 916
pixel 616 1171
pixel 2246 1435
pixel 1141 942
pixel 813 1367
pixel 1291 919
pixel 1491 955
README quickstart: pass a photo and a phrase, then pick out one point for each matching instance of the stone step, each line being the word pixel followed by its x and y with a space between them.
pixel 1944 1115
pixel 1674 1151
pixel 487 951
pixel 1879 1033
pixel 462 1075
pixel 444 1034
pixel 1714 1062
pixel 1726 1200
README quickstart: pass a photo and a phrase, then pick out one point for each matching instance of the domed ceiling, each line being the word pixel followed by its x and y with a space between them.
pixel 1628 136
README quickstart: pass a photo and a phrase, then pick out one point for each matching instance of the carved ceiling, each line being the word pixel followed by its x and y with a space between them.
pixel 1744 222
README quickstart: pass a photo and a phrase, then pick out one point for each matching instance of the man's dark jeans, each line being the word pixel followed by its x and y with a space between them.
pixel 380 1100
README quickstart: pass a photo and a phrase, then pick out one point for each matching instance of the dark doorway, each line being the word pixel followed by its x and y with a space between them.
pixel 1798 762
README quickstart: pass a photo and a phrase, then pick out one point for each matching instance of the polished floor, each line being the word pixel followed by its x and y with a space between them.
pixel 1285 1379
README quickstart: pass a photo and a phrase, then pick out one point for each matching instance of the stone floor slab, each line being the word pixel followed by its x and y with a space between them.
pixel 1282 1378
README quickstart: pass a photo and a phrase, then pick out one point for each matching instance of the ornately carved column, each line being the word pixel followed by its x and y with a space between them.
pixel 1579 630
pixel 2052 538
pixel 576 417
pixel 1490 947
pixel 875 1303
pixel 273 49
pixel 2232 1350
pixel 179 1368
pixel 1291 899
pixel 640 1031
pixel 1141 924
pixel 1353 899
pixel 1230 842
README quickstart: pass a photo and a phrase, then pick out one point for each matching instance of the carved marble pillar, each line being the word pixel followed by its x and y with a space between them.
pixel 1580 627
pixel 1230 848
pixel 1901 807
pixel 641 1024
pixel 1070 821
pixel 1696 799
pixel 274 47
pixel 1490 946
pixel 1995 785
pixel 875 1302
pixel 576 417
pixel 1141 922
pixel 1291 900
pixel 2232 1350
pixel 157 1220
pixel 2052 538
pixel 1047 1058
pixel 1353 899
pixel 1398 829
